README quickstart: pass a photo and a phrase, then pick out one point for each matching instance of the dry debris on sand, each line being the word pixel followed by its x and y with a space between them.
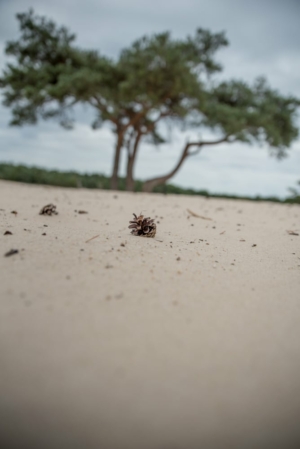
pixel 189 344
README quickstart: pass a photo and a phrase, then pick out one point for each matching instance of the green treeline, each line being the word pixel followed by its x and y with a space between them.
pixel 35 175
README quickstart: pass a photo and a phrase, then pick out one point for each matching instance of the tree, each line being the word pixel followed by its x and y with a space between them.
pixel 154 79
pixel 164 80
pixel 237 112
pixel 52 75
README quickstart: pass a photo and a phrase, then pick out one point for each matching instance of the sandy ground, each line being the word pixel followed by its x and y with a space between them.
pixel 189 340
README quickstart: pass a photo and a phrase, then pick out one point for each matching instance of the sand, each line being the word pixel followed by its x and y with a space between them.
pixel 189 340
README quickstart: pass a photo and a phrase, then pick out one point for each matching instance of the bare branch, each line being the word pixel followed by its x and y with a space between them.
pixel 203 143
pixel 151 183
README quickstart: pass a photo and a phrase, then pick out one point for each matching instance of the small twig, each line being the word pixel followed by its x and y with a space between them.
pixel 198 216
pixel 11 252
pixel 292 233
pixel 92 238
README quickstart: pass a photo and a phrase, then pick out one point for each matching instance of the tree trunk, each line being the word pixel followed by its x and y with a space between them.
pixel 129 176
pixel 151 183
pixel 114 180
pixel 130 163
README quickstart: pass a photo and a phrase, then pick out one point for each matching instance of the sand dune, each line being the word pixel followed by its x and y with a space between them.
pixel 188 340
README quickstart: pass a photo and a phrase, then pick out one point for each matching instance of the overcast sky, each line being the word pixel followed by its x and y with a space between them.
pixel 264 40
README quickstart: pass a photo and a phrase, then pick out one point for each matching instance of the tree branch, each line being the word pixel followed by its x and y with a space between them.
pixel 151 183
pixel 202 143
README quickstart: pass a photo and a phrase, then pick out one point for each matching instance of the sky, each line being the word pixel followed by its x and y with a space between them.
pixel 264 38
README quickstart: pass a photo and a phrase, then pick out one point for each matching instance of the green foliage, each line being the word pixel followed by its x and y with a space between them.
pixel 156 75
pixel 157 78
pixel 34 175
pixel 253 114
pixel 163 72
pixel 47 78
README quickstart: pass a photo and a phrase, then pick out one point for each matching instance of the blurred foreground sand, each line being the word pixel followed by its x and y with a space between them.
pixel 109 346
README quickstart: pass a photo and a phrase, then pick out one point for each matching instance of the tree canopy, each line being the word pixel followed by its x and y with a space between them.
pixel 154 80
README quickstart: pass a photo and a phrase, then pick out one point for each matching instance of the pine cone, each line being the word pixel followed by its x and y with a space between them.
pixel 49 209
pixel 142 227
